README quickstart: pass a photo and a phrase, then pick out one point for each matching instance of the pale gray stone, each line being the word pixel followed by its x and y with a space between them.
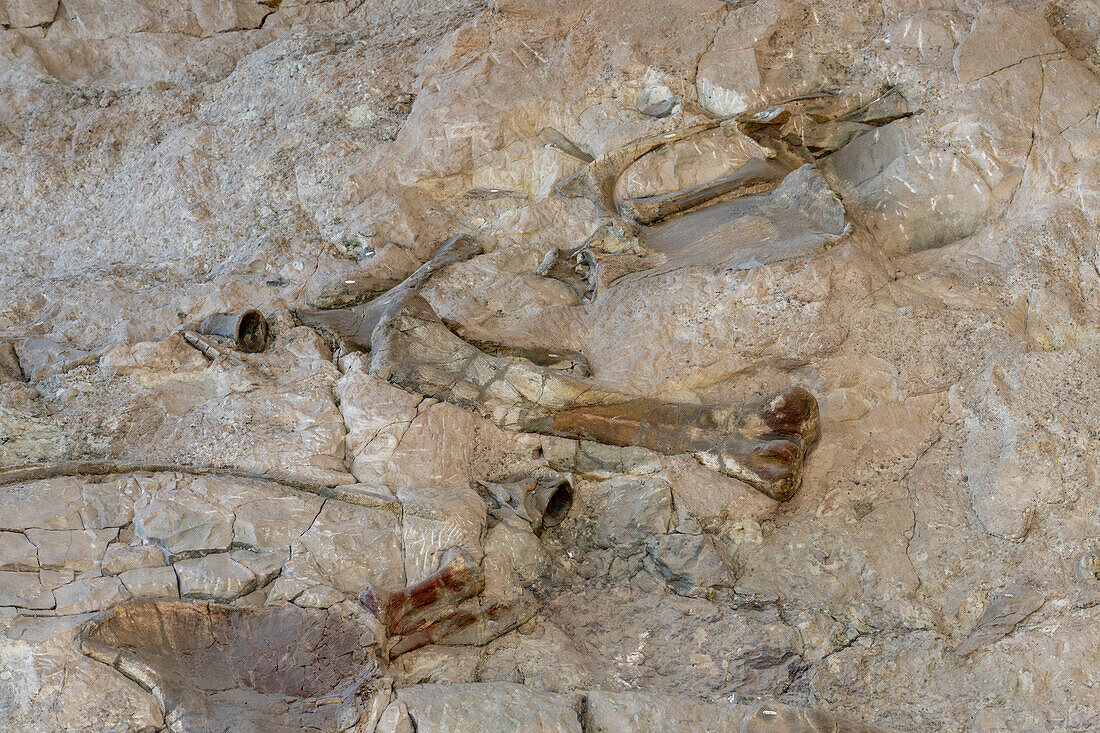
pixel 121 557
pixel 24 590
pixel 71 549
pixel 634 510
pixel 656 101
pixel 185 528
pixel 85 595
pixel 109 504
pixel 468 707
pixel 158 582
pixel 275 522
pixel 688 563
pixel 17 552
pixel 215 577
pixel 607 712
pixel 51 504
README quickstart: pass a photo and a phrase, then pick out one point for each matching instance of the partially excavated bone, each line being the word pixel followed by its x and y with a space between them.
pixel 541 502
pixel 355 325
pixel 247 331
pixel 556 139
pixel 430 601
pixel 445 607
pixel 575 267
pixel 219 668
pixel 763 444
pixel 596 181
pixel 558 359
pixel 757 175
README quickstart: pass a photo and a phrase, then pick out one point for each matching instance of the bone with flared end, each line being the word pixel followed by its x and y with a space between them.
pixel 541 502
pixel 596 180
pixel 248 331
pixel 763 444
pixel 215 668
pixel 355 325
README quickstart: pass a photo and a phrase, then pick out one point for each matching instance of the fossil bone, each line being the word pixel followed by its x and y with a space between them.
pixel 575 267
pixel 248 331
pixel 556 139
pixel 355 325
pixel 756 175
pixel 541 502
pixel 444 608
pixel 214 668
pixel 763 444
pixel 1000 617
pixel 430 601
pixel 596 180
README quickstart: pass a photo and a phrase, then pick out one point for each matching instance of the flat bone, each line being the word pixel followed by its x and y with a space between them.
pixel 431 601
pixel 596 180
pixel 752 177
pixel 355 325
pixel 476 622
pixel 762 444
pixel 1001 616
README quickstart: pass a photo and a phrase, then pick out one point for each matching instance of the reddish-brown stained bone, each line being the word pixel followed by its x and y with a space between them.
pixel 430 601
pixel 217 668
pixel 763 444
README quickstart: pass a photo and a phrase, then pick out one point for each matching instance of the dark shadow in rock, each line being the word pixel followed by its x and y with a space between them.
pixel 219 668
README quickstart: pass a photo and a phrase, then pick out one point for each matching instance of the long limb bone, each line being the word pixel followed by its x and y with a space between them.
pixel 763 444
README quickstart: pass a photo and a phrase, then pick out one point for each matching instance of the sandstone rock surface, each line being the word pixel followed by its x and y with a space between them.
pixel 891 208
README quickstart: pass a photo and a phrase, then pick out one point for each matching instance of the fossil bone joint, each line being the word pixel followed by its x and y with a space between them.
pixel 763 444
pixel 355 325
pixel 541 502
pixel 248 331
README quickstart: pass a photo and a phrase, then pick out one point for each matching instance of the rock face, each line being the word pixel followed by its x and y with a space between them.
pixel 795 306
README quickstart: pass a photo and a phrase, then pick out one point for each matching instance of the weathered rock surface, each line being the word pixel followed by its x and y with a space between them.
pixel 901 217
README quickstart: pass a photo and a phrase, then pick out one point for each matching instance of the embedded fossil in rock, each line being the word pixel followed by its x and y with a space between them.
pixel 1001 616
pixel 756 175
pixel 763 444
pixel 215 668
pixel 596 181
pixel 356 324
pixel 575 267
pixel 247 331
pixel 444 607
pixel 432 600
pixel 559 359
pixel 542 503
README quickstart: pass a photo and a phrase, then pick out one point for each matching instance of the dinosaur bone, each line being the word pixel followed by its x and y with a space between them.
pixel 355 325
pixel 763 444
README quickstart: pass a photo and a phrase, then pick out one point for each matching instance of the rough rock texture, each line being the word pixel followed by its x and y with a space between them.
pixel 920 255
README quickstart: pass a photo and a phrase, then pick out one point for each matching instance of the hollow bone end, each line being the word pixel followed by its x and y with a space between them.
pixel 549 502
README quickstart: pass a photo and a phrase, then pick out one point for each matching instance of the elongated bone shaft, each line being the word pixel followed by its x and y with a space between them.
pixel 596 180
pixel 752 177
pixel 421 606
pixel 355 325
pixel 763 444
